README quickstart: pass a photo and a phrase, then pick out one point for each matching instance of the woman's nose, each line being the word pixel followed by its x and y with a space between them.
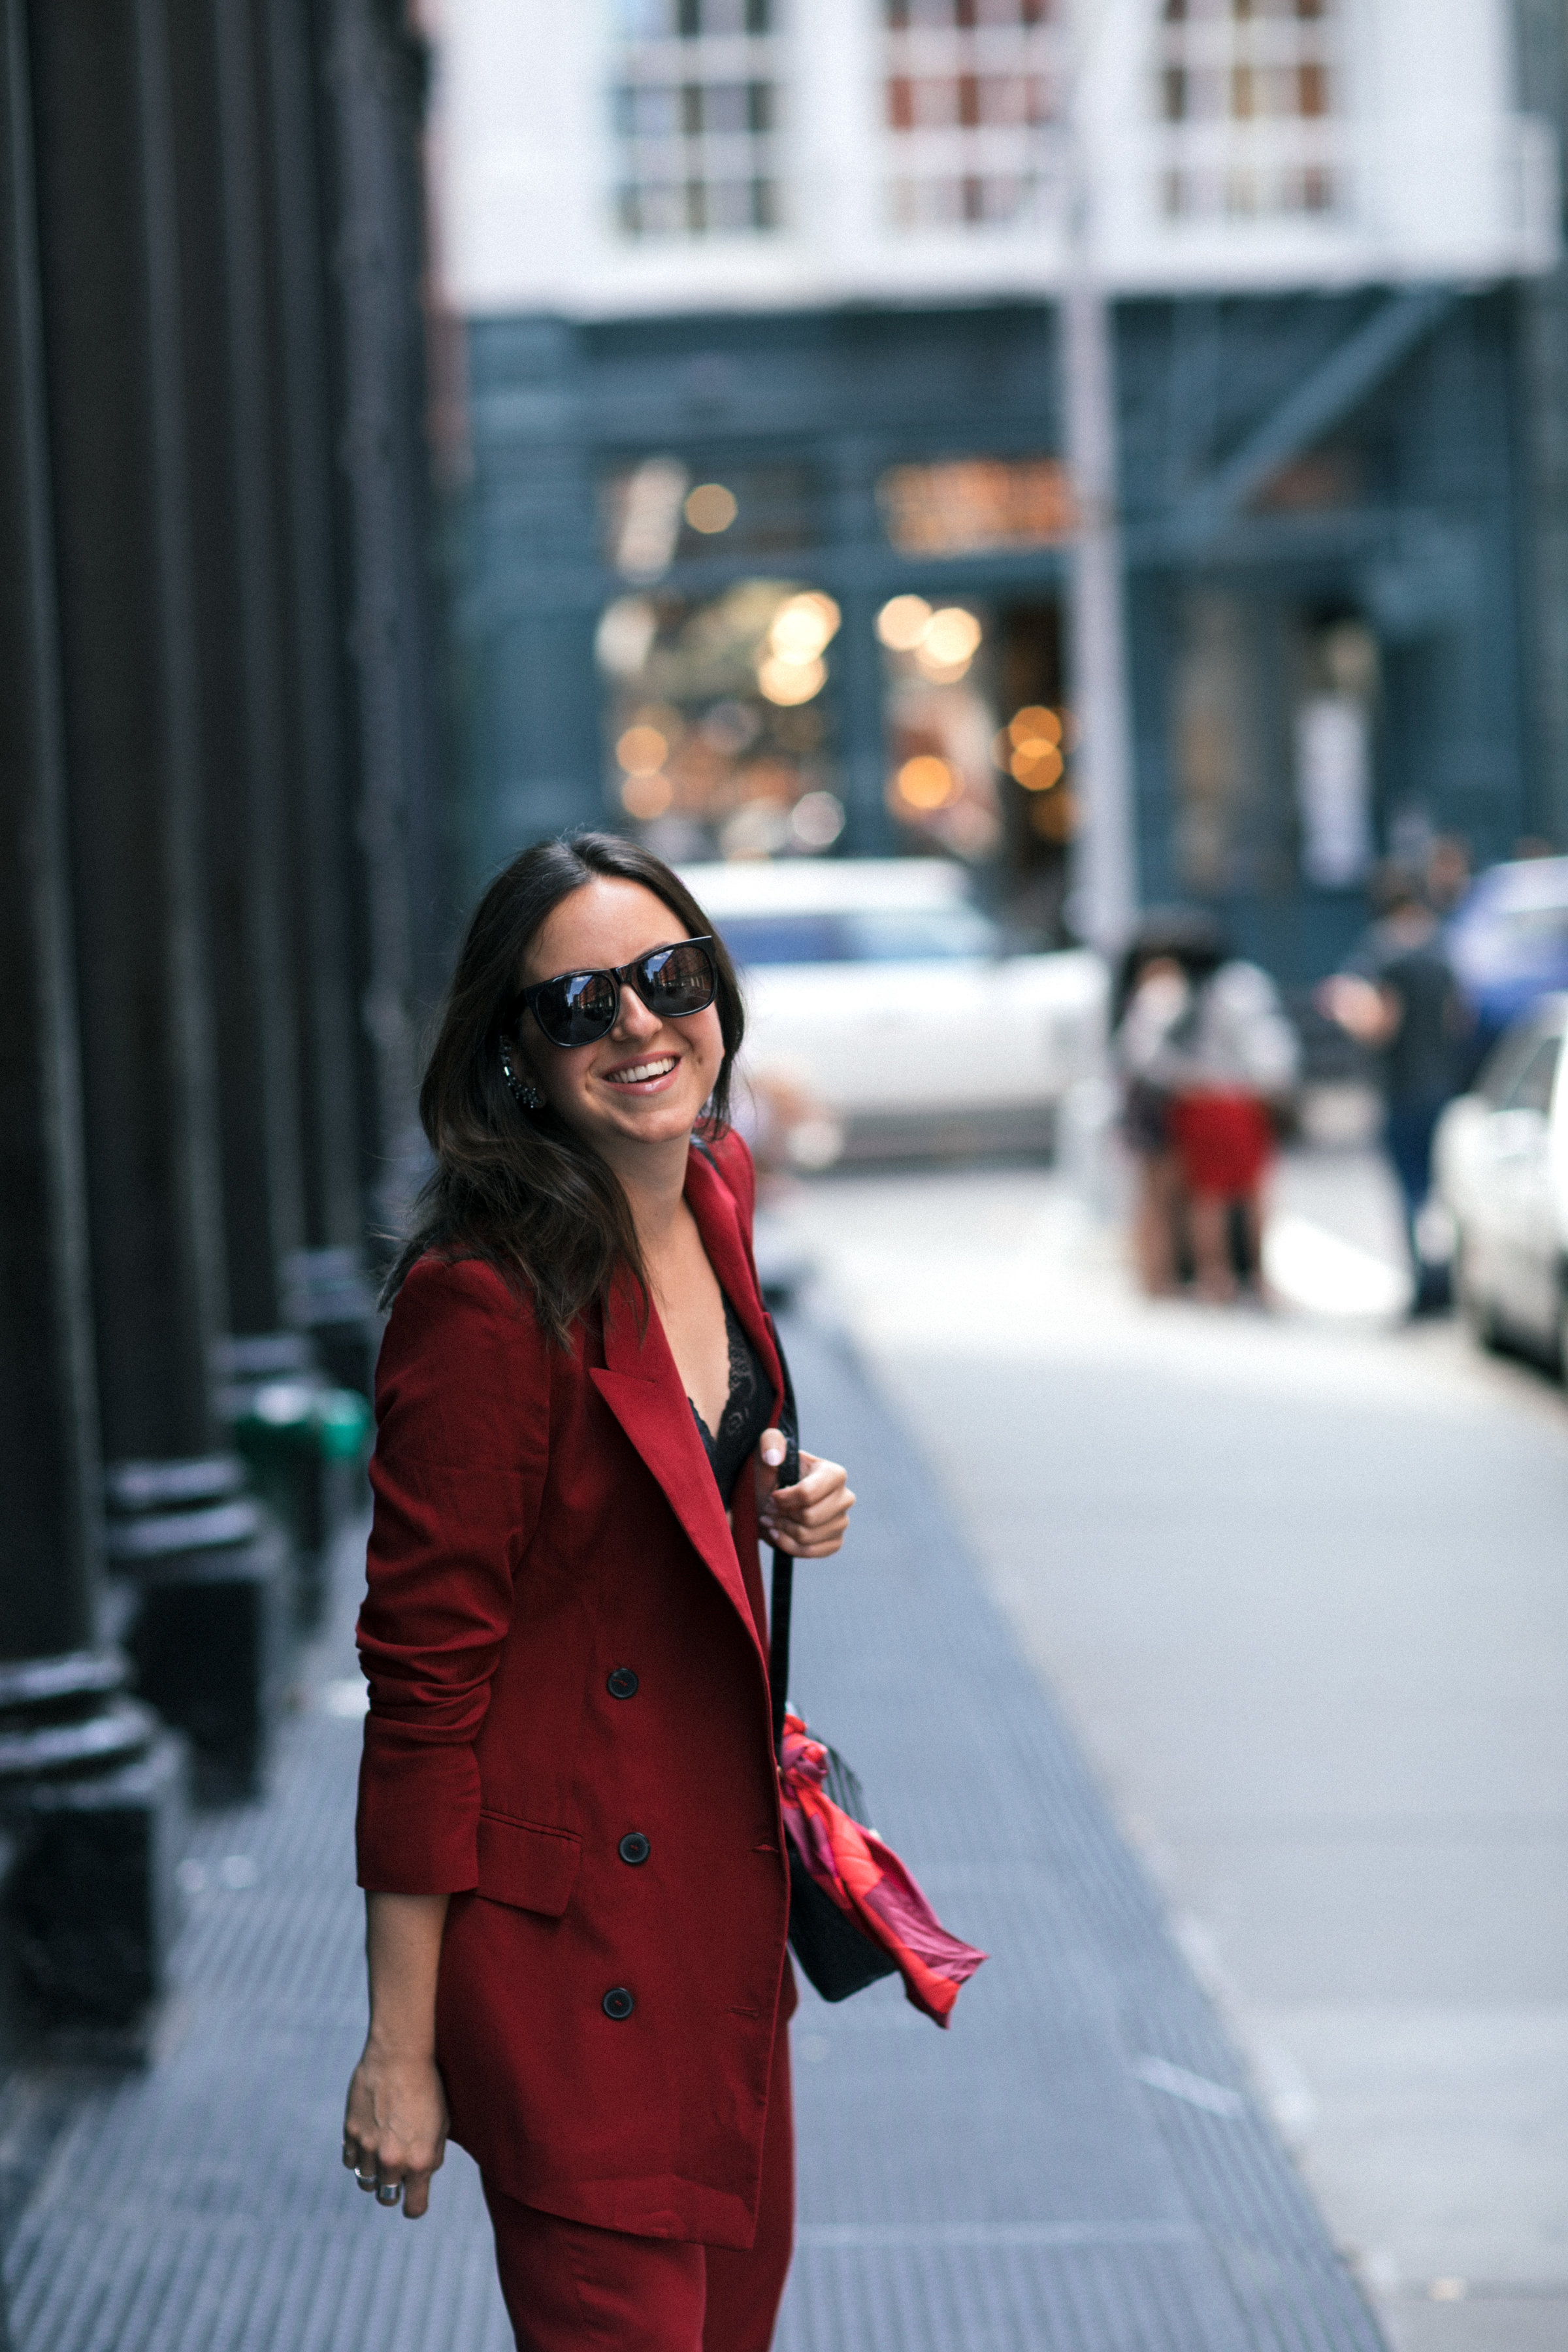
pixel 634 1019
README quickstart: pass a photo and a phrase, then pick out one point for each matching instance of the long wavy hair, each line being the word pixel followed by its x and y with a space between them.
pixel 519 1188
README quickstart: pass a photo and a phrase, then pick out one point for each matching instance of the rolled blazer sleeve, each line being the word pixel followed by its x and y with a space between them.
pixel 462 1441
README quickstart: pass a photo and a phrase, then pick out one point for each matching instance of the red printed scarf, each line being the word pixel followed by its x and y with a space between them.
pixel 868 1882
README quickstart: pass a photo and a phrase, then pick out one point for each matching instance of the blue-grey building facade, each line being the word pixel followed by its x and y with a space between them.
pixel 1292 466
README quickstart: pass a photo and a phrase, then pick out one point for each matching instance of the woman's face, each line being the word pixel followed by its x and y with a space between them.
pixel 647 1080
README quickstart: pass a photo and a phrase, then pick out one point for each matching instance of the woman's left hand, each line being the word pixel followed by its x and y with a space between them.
pixel 809 1518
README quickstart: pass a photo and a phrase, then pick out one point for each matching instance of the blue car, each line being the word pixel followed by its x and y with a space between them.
pixel 1508 941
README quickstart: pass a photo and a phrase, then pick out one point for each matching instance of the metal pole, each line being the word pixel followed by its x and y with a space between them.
pixel 1107 883
pixel 1106 888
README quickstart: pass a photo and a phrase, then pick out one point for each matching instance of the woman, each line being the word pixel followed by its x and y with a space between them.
pixel 569 1823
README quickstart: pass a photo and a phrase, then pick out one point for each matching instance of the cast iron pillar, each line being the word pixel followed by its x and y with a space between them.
pixel 313 648
pixel 203 1570
pixel 90 1783
pixel 228 397
pixel 374 77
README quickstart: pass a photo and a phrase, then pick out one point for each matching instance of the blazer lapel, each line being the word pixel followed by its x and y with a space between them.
pixel 712 1204
pixel 643 1389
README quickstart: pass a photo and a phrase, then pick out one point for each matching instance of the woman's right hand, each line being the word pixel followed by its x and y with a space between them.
pixel 394 2124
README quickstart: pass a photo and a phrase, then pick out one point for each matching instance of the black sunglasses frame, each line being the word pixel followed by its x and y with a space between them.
pixel 631 975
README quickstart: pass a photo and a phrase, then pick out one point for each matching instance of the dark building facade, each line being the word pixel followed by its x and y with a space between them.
pixel 1322 509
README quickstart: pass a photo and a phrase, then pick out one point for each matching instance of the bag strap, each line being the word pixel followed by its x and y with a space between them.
pixel 782 1592
pixel 783 1565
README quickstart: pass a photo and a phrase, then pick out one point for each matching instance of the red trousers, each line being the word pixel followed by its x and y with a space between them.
pixel 566 2284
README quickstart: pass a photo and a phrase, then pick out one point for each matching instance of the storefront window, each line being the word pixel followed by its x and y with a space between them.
pixel 979 743
pixel 962 506
pixel 718 734
pixel 663 510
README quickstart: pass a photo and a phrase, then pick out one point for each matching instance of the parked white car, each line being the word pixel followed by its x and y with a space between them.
pixel 1501 1170
pixel 879 988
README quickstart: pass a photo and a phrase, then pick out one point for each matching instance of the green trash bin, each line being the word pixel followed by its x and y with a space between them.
pixel 305 1442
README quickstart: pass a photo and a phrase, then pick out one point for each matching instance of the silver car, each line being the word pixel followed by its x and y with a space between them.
pixel 877 987
pixel 1501 1168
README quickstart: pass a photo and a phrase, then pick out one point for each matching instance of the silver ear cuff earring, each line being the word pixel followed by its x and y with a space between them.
pixel 523 1093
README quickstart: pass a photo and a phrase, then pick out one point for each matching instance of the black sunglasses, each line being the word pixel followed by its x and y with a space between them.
pixel 577 1008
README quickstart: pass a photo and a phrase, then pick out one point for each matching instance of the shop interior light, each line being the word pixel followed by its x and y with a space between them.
pixel 642 751
pixel 646 797
pixel 803 626
pixel 902 623
pixel 926 782
pixel 1035 723
pixel 1055 818
pixel 954 635
pixel 711 507
pixel 1037 766
pixel 949 644
pixel 788 683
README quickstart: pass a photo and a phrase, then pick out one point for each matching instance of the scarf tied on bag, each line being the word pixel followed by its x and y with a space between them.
pixel 868 1881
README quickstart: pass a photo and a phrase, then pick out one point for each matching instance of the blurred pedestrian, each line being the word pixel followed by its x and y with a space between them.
pixel 1184 940
pixel 1398 996
pixel 1448 873
pixel 570 1823
pixel 1209 1033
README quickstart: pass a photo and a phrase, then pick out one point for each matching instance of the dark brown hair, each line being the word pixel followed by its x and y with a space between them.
pixel 519 1188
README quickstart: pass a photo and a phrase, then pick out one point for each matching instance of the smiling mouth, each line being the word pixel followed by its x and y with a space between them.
pixel 638 1073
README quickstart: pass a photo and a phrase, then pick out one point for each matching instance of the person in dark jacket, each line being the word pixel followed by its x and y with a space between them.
pixel 1398 996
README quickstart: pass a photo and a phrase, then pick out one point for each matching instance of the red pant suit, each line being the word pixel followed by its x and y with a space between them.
pixel 565 1650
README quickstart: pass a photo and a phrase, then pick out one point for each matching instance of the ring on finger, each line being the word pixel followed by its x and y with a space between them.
pixel 366 2179
pixel 387 2192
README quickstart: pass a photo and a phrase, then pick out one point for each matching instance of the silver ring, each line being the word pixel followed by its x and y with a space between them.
pixel 388 2192
pixel 365 2180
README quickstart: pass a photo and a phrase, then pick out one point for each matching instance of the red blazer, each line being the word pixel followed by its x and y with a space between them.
pixel 567 1649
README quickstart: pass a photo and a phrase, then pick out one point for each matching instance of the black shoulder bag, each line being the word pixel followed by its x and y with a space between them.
pixel 836 1957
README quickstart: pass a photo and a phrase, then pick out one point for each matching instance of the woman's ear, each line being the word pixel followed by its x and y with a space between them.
pixel 520 1082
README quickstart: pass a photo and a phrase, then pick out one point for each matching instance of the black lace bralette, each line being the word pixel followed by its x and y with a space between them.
pixel 746 1408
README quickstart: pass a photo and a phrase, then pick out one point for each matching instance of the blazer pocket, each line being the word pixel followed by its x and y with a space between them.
pixel 533 1869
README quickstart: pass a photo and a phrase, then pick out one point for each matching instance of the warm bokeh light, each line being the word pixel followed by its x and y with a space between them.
pixel 803 626
pixel 1035 764
pixel 711 507
pixel 1055 817
pixel 790 682
pixel 902 623
pixel 927 783
pixel 1035 723
pixel 644 796
pixel 952 636
pixel 641 751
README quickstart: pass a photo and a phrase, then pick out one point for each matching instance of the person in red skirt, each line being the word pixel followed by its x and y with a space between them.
pixel 1210 1035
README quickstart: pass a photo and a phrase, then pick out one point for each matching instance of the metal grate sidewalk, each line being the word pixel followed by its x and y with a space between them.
pixel 1077 2167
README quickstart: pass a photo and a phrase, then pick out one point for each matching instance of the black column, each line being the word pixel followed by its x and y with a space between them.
pixel 112 312
pixel 228 393
pixel 325 1292
pixel 374 76
pixel 90 1784
pixel 313 651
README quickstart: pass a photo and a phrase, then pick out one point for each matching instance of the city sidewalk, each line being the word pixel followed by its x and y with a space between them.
pixel 1297 1581
pixel 1080 2166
